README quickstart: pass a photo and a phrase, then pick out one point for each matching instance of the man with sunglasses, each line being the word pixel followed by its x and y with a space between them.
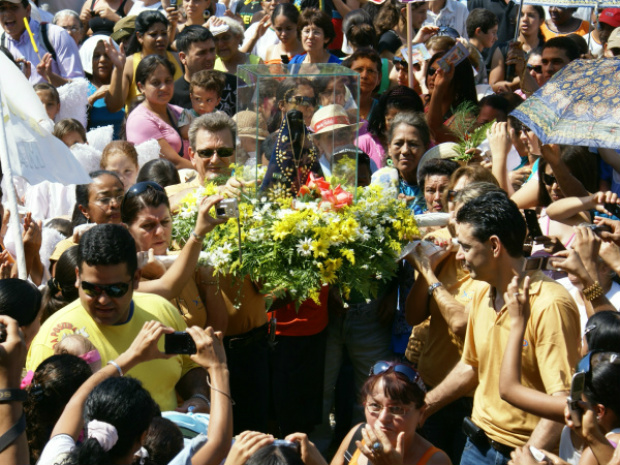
pixel 491 232
pixel 110 314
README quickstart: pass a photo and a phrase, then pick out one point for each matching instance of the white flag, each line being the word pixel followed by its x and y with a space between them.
pixel 34 152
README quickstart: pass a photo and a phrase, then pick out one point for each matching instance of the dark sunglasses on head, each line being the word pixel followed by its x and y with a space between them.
pixel 400 62
pixel 222 152
pixel 140 188
pixel 549 179
pixel 536 69
pixel 401 368
pixel 302 101
pixel 114 291
pixel 594 358
pixel 448 31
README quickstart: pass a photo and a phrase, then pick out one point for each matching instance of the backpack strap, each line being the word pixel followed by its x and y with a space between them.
pixel 357 436
pixel 46 41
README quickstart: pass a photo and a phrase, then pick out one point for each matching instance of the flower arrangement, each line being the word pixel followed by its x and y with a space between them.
pixel 293 247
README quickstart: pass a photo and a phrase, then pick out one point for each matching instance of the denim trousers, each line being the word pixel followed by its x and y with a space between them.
pixel 472 455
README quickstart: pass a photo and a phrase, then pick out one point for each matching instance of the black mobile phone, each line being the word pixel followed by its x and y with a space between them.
pixel 2 333
pixel 531 219
pixel 284 443
pixel 613 208
pixel 576 390
pixel 179 342
pixel 173 4
pixel 285 59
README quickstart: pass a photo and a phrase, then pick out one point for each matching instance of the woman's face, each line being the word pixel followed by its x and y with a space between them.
pixel 434 187
pixel 391 425
pixel 430 77
pixel 226 45
pixel 530 21
pixel 560 16
pixel 418 15
pixel 52 106
pixel 306 106
pixel 313 38
pixel 196 7
pixel 124 168
pixel 390 114
pixel 453 207
pixel 152 229
pixel 154 40
pixel 400 74
pixel 551 184
pixel 105 195
pixel 369 74
pixel 534 63
pixel 102 65
pixel 286 30
pixel 159 86
pixel 268 6
pixel 334 93
pixel 405 149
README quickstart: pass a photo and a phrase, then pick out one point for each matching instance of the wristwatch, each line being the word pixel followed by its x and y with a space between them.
pixel 434 286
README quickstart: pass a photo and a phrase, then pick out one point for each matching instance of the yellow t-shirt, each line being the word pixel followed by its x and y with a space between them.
pixel 550 351
pixel 442 349
pixel 159 377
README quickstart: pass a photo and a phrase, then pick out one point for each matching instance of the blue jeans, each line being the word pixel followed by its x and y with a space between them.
pixel 472 455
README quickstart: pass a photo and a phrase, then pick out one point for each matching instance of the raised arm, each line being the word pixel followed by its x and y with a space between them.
pixel 114 98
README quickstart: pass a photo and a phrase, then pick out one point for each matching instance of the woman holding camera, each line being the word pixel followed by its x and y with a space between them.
pixel 146 212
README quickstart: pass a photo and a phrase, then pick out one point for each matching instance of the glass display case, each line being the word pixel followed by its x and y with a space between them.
pixel 298 120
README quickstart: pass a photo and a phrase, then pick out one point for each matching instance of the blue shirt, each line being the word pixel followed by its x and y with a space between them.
pixel 299 59
pixel 100 115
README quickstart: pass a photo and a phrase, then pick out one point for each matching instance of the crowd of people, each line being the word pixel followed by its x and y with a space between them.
pixel 495 343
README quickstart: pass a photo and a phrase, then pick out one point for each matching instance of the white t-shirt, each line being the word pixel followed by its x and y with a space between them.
pixel 264 43
pixel 596 49
pixel 56 449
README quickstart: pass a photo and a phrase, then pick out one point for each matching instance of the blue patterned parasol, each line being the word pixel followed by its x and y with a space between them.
pixel 580 105
pixel 575 3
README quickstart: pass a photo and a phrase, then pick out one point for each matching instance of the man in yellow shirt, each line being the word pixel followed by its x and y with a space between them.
pixel 491 232
pixel 110 314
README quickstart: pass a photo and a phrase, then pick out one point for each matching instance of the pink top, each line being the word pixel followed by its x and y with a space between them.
pixel 143 124
pixel 373 148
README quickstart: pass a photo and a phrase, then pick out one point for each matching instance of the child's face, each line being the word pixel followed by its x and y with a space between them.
pixel 204 101
pixel 124 168
pixel 72 138
pixel 52 106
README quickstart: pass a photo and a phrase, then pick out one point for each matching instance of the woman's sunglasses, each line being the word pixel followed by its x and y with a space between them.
pixel 536 69
pixel 448 31
pixel 302 101
pixel 400 63
pixel 139 189
pixel 405 370
pixel 548 179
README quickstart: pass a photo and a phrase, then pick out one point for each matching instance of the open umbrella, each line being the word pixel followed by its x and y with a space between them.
pixel 580 105
pixel 575 3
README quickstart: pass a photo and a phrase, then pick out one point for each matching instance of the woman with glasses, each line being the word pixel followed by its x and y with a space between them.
pixel 393 397
pixel 317 32
pixel 100 201
pixel 155 118
pixel 146 212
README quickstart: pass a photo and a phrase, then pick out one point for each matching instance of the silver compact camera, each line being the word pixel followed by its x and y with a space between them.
pixel 227 208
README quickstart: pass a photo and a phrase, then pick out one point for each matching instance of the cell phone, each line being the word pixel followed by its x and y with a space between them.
pixel 531 219
pixel 285 59
pixel 597 228
pixel 613 208
pixel 540 263
pixel 173 4
pixel 284 443
pixel 576 390
pixel 2 333
pixel 227 208
pixel 538 454
pixel 93 13
pixel 179 342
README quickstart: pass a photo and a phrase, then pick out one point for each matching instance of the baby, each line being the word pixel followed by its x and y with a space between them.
pixel 76 344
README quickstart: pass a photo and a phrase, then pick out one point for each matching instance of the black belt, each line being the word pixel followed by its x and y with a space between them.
pixel 242 340
pixel 480 439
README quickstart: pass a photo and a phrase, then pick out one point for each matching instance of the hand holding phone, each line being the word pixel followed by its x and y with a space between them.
pixel 576 390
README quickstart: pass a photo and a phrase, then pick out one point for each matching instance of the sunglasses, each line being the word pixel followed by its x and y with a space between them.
pixel 400 63
pixel 140 188
pixel 593 358
pixel 448 31
pixel 114 291
pixel 222 152
pixel 549 179
pixel 302 101
pixel 536 69
pixel 412 375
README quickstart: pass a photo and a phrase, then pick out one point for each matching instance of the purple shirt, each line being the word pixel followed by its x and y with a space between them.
pixel 67 65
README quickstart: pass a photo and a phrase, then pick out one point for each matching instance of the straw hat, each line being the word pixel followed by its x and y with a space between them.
pixel 247 122
pixel 446 150
pixel 329 118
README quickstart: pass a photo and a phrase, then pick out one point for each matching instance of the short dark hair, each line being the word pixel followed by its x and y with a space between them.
pixel 563 43
pixel 19 299
pixel 67 125
pixel 208 79
pixel 143 23
pixel 134 204
pixel 149 64
pixel 108 244
pixel 436 167
pixel 494 214
pixel 497 102
pixel 48 87
pixel 601 331
pixel 402 98
pixel 192 35
pixel 395 387
pixel 161 171
pixel 318 18
pixel 366 52
pixel 480 18
pixel 273 454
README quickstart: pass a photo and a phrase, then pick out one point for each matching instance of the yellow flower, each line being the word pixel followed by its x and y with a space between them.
pixel 315 294
pixel 320 247
pixel 280 230
pixel 349 255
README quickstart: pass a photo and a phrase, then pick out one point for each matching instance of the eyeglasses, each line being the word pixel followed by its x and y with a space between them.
pixel 314 32
pixel 405 370
pixel 302 101
pixel 140 188
pixel 114 291
pixel 448 31
pixel 71 28
pixel 548 179
pixel 105 201
pixel 536 69
pixel 400 63
pixel 396 410
pixel 593 358
pixel 222 152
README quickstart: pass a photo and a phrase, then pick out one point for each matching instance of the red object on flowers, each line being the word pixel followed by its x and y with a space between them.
pixel 332 198
pixel 318 183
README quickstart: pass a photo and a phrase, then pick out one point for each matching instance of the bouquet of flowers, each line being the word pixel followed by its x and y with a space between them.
pixel 293 247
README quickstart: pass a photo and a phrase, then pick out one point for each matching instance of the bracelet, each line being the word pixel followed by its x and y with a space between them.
pixel 198 238
pixel 434 286
pixel 201 397
pixel 13 433
pixel 12 395
pixel 221 392
pixel 112 362
pixel 593 291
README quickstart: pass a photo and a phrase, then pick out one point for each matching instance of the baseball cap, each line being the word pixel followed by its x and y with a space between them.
pixel 614 39
pixel 610 16
pixel 124 28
